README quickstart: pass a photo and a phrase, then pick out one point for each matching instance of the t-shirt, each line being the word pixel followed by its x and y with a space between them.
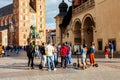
pixel 92 50
pixel 42 50
pixel 83 52
pixel 49 50
pixel 111 46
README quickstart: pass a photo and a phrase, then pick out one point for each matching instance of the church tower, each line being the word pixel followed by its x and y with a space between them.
pixel 25 14
pixel 62 12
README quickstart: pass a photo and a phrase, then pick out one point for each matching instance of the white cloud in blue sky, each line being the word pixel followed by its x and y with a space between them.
pixel 51 10
pixel 5 2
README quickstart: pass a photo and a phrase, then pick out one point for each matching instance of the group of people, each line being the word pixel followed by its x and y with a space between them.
pixel 109 48
pixel 91 52
pixel 49 55
pixel 6 50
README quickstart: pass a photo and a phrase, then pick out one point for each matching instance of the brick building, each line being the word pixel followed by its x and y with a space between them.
pixel 16 19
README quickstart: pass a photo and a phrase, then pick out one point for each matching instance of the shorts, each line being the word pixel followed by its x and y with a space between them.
pixel 111 51
pixel 83 60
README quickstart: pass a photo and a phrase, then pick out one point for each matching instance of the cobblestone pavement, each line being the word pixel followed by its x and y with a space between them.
pixel 15 68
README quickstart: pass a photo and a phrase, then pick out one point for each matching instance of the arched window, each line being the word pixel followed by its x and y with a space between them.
pixel 2 21
pixel 6 22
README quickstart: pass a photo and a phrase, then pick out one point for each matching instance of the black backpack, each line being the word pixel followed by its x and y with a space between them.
pixel 40 66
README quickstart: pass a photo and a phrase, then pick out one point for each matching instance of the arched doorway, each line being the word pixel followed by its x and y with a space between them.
pixel 88 30
pixel 77 33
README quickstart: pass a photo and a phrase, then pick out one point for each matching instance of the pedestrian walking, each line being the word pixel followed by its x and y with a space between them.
pixel 30 54
pixel 106 51
pixel 83 56
pixel 55 55
pixel 58 49
pixel 49 53
pixel 91 54
pixel 64 53
pixel 1 50
pixel 43 58
pixel 111 46
pixel 69 57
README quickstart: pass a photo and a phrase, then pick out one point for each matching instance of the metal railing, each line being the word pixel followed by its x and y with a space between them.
pixel 84 6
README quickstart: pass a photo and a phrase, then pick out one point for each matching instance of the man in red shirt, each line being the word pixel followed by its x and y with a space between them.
pixel 64 51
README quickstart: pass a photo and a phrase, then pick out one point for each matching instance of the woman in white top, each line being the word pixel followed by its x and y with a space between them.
pixel 83 55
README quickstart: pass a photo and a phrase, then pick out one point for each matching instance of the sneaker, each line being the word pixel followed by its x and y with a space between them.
pixel 32 67
pixel 49 69
pixel 54 69
pixel 65 67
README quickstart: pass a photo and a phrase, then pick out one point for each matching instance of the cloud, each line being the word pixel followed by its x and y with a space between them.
pixel 52 13
pixel 53 1
pixel 51 9
pixel 5 2
pixel 49 2
pixel 50 25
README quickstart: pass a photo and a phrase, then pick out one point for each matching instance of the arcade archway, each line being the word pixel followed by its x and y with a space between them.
pixel 88 30
pixel 77 32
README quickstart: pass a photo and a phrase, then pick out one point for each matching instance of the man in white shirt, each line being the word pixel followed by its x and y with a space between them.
pixel 49 49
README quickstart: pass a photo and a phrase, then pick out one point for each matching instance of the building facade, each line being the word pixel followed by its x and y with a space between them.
pixel 92 21
pixel 51 36
pixel 20 16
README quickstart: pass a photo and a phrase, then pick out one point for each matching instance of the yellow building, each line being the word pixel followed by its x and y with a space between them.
pixel 91 21
pixel 22 14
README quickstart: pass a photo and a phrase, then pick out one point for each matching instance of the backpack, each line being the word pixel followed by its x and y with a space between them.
pixel 40 66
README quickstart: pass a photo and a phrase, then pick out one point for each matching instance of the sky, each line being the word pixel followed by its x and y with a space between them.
pixel 51 10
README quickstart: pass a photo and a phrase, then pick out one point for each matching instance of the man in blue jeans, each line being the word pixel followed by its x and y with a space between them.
pixel 49 49
pixel 111 46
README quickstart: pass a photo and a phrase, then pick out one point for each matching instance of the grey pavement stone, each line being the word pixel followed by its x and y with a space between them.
pixel 15 68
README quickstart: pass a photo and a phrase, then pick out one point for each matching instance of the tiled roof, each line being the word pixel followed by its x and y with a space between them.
pixel 6 10
pixel 50 30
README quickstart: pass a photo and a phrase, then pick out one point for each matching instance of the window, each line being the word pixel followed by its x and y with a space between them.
pixel 100 45
pixel 40 6
pixel 24 18
pixel 67 35
pixel 23 4
pixel 6 20
pixel 23 10
pixel 6 40
pixel 40 12
pixel 40 25
pixel 24 36
pixel 24 24
pixel 41 19
pixel 2 22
